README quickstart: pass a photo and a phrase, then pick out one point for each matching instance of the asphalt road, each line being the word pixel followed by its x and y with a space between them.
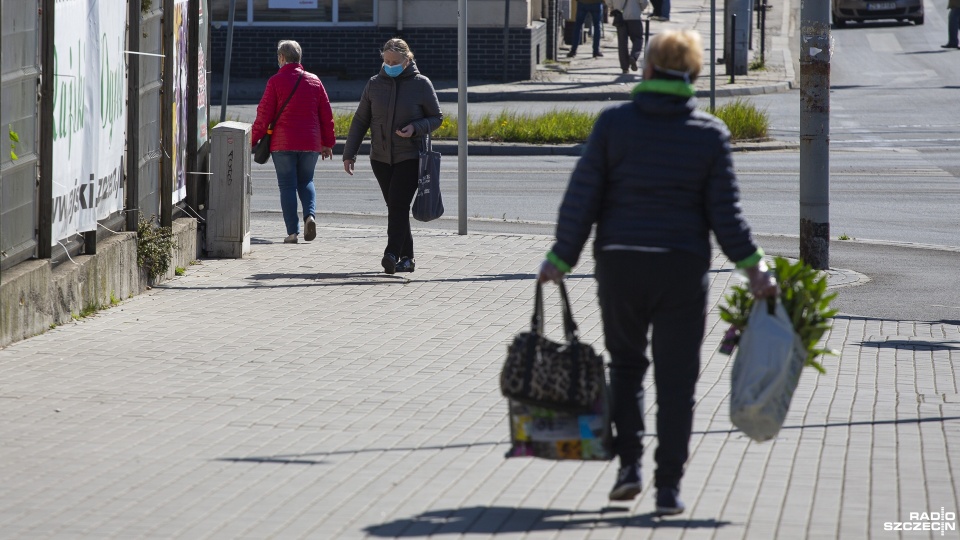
pixel 894 174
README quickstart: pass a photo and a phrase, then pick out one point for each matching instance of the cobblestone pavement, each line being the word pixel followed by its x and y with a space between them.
pixel 301 393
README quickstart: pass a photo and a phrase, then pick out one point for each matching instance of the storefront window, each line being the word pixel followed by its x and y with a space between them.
pixel 294 11
pixel 356 10
pixel 220 9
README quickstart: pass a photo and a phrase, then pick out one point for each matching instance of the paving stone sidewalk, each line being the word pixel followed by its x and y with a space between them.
pixel 301 393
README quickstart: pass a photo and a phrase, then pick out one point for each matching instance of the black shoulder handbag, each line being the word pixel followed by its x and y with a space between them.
pixel 566 377
pixel 427 203
pixel 261 152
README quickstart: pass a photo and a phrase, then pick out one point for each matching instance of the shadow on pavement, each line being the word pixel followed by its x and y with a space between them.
pixel 505 520
pixel 913 345
pixel 303 458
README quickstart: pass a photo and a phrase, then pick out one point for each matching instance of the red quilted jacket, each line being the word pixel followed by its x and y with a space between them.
pixel 306 123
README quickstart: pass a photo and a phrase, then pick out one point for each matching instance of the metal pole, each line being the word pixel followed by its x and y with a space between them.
pixel 763 29
pixel 132 192
pixel 506 38
pixel 47 84
pixel 462 119
pixel 815 133
pixel 733 40
pixel 167 107
pixel 551 30
pixel 225 87
pixel 713 55
pixel 193 98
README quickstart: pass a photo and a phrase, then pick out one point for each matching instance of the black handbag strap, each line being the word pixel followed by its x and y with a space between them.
pixel 284 106
pixel 425 146
pixel 569 326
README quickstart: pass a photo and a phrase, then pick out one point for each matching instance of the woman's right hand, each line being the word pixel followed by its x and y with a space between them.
pixel 348 165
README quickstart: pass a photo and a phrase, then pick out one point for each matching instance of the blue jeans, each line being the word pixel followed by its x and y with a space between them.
pixel 953 26
pixel 295 178
pixel 596 14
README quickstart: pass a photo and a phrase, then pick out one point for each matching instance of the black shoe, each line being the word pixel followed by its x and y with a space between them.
pixel 571 54
pixel 597 54
pixel 406 264
pixel 949 46
pixel 389 263
pixel 668 502
pixel 627 486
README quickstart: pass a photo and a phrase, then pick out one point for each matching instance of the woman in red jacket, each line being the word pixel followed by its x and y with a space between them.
pixel 302 133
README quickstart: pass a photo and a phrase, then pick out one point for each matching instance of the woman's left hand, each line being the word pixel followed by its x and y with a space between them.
pixel 406 131
pixel 326 152
pixel 762 283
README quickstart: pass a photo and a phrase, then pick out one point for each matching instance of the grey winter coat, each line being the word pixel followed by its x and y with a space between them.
pixel 388 104
pixel 655 173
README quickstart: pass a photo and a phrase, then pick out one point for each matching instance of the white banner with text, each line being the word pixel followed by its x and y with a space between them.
pixel 89 115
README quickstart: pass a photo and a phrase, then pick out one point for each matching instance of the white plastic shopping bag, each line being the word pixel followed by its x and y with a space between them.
pixel 766 371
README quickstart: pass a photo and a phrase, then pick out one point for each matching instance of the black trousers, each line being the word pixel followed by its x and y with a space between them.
pixel 632 30
pixel 668 292
pixel 398 183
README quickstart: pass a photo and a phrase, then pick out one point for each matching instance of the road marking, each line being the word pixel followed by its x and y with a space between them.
pixel 886 42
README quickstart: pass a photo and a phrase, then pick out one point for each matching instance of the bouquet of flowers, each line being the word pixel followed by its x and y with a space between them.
pixel 804 295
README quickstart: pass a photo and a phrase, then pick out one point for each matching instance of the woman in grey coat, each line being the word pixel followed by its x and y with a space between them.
pixel 399 106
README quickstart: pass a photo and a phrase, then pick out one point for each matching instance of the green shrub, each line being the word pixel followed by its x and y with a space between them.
pixel 154 247
pixel 744 120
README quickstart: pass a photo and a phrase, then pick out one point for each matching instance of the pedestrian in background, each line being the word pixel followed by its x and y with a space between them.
pixel 594 8
pixel 399 106
pixel 632 30
pixel 302 133
pixel 656 177
pixel 661 10
pixel 953 25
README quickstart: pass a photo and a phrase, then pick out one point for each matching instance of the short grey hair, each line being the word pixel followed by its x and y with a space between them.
pixel 290 51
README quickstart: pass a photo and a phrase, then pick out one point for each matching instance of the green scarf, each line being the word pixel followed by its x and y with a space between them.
pixel 663 86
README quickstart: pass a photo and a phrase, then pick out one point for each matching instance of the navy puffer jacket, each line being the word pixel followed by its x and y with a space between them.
pixel 655 172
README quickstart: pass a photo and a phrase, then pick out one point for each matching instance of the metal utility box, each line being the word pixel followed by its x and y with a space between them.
pixel 231 187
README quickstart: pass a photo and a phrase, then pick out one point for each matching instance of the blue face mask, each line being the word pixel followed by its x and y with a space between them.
pixel 393 71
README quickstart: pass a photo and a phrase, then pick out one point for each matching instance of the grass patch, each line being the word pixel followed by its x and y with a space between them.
pixel 757 64
pixel 179 270
pixel 113 299
pixel 569 126
pixel 560 126
pixel 843 236
pixel 745 120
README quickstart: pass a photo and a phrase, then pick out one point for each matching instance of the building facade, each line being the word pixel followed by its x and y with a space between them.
pixel 342 38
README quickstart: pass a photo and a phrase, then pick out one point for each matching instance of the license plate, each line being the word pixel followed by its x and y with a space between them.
pixel 881 6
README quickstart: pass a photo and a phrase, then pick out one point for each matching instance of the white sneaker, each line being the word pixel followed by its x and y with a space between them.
pixel 292 239
pixel 309 229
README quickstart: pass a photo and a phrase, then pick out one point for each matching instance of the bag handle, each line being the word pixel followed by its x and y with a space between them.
pixel 569 326
pixel 284 106
pixel 425 145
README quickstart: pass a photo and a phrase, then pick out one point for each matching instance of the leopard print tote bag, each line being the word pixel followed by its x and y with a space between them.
pixel 566 377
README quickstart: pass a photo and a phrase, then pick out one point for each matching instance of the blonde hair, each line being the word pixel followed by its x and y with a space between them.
pixel 290 51
pixel 397 45
pixel 678 53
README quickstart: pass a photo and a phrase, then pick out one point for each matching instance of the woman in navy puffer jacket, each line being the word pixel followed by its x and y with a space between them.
pixel 303 133
pixel 656 177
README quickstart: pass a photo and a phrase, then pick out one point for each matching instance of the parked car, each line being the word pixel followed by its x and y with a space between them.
pixel 871 10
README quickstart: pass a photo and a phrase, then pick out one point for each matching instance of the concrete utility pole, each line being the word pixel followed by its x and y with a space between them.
pixel 815 52
pixel 462 119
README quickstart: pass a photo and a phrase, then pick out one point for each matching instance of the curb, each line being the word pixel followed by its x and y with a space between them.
pixel 480 148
